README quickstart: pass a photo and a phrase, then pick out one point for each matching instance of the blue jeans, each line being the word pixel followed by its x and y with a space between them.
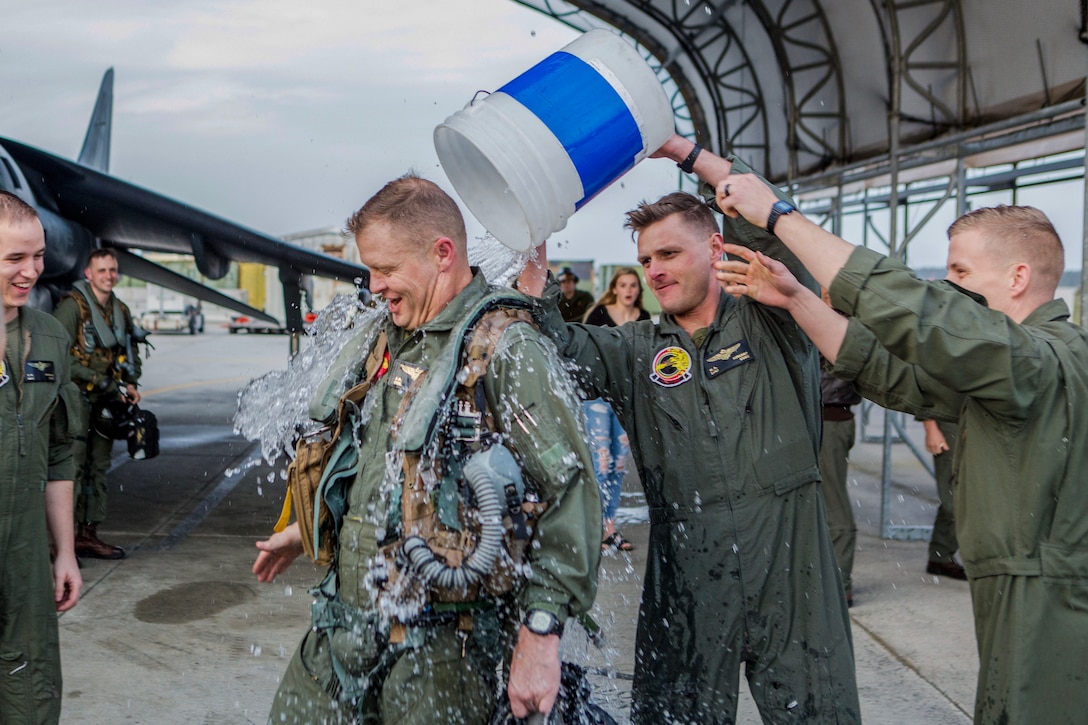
pixel 608 441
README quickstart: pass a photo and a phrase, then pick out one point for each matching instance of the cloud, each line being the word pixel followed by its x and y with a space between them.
pixel 282 115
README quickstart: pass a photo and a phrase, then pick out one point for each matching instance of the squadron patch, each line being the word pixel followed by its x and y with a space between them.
pixel 40 371
pixel 727 358
pixel 672 366
pixel 3 374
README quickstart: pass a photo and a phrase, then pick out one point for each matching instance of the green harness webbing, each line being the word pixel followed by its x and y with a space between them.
pixel 108 336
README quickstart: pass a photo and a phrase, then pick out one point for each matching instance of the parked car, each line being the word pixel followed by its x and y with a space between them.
pixel 190 320
pixel 247 324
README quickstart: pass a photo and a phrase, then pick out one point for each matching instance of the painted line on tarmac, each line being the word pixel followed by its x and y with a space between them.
pixel 205 507
pixel 195 384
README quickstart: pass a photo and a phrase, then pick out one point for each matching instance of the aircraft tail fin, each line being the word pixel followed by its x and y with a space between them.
pixel 95 153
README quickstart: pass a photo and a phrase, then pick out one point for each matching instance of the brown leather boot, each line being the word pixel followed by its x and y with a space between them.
pixel 89 545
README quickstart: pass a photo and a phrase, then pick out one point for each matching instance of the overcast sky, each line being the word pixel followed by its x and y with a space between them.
pixel 285 116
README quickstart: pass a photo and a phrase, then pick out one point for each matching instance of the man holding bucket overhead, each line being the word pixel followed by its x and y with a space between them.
pixel 721 401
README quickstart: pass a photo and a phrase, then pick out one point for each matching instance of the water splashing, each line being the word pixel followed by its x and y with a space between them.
pixel 274 408
pixel 499 263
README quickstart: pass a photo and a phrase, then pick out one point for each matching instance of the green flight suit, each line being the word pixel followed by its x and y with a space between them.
pixel 725 431
pixel 34 449
pixel 1021 500
pixel 97 372
pixel 440 674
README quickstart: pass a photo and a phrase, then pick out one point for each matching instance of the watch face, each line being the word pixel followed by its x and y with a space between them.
pixel 541 622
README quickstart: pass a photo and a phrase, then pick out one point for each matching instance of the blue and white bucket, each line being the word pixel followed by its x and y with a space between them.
pixel 526 157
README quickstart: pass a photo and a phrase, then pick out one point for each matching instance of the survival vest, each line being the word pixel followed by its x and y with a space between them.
pixel 466 518
pixel 463 516
pixel 105 345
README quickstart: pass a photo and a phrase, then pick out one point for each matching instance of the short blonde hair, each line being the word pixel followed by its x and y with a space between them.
pixel 1018 234
pixel 14 210
pixel 416 208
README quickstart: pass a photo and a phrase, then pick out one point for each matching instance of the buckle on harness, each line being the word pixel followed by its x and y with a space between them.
pixel 465 423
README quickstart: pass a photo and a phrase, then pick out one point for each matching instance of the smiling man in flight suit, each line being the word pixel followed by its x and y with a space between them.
pixel 721 401
pixel 993 333
pixel 36 471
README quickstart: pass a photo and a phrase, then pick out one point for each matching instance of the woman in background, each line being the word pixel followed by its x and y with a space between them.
pixel 620 304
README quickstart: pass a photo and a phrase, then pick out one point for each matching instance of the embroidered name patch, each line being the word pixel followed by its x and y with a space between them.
pixel 40 371
pixel 727 358
pixel 671 367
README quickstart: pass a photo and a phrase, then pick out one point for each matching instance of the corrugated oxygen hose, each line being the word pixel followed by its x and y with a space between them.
pixel 486 481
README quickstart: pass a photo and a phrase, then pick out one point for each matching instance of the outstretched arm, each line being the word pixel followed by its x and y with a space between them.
pixel 769 282
pixel 534 276
pixel 820 251
pixel 708 166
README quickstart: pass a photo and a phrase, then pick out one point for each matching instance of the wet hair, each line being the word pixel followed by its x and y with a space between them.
pixel 14 210
pixel 1017 234
pixel 416 208
pixel 691 208
pixel 609 296
pixel 101 252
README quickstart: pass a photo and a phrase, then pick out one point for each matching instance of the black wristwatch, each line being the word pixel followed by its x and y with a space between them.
pixel 780 208
pixel 543 623
pixel 688 164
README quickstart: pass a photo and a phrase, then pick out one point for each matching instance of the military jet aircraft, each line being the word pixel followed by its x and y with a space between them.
pixel 82 208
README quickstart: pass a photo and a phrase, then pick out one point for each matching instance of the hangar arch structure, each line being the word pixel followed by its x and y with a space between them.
pixel 833 97
pixel 881 110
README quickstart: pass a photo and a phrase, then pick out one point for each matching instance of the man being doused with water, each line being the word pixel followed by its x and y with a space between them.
pixel 463 503
pixel 721 401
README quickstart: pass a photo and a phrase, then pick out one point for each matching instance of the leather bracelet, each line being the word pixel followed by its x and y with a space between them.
pixel 780 208
pixel 688 164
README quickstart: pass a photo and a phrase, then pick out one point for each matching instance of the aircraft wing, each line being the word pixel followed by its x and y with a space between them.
pixel 140 268
pixel 133 217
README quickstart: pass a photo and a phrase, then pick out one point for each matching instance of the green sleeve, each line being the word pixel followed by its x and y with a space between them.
pixel 63 424
pixel 741 231
pixel 600 355
pixel 67 312
pixel 962 344
pixel 888 381
pixel 538 410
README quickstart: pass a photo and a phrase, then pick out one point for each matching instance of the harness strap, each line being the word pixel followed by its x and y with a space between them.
pixel 418 514
pixel 109 336
pixel 377 364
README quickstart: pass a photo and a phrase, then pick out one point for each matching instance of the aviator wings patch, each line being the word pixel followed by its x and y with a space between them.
pixel 40 371
pixel 404 374
pixel 727 358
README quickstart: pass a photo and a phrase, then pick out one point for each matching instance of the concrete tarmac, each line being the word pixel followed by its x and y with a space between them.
pixel 181 632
